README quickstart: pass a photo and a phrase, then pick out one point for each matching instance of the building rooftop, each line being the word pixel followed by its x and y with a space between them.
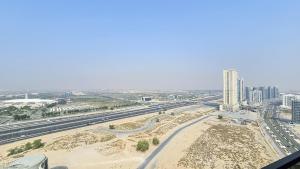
pixel 27 162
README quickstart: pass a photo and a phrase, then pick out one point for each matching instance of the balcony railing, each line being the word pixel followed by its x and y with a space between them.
pixel 289 162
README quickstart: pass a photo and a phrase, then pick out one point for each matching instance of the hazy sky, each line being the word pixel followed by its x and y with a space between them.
pixel 147 44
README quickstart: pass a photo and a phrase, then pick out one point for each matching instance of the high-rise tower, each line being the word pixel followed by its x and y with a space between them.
pixel 230 90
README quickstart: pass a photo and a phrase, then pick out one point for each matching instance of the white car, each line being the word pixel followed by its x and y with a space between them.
pixel 283 147
pixel 278 141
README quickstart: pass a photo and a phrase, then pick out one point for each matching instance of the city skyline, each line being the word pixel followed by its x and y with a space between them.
pixel 145 46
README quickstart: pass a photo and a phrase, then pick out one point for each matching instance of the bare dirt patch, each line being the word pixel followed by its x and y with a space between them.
pixel 69 142
pixel 131 125
pixel 226 146
pixel 116 146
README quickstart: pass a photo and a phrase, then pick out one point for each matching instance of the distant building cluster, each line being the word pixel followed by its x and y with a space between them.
pixel 236 94
pixel 257 95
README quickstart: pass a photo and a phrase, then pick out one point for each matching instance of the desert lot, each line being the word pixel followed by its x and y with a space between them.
pixel 213 143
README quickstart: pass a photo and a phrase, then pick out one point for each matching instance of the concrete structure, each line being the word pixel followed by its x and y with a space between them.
pixel 287 100
pixel 267 93
pixel 296 110
pixel 230 90
pixel 273 92
pixel 255 97
pixel 28 102
pixel 241 90
pixel 146 99
pixel 30 162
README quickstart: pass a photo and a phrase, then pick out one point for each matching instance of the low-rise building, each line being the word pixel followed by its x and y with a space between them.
pixel 146 99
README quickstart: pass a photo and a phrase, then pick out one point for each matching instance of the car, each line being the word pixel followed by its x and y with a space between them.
pixel 278 141
pixel 283 147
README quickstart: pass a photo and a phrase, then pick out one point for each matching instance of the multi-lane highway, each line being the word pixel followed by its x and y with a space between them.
pixel 280 132
pixel 19 131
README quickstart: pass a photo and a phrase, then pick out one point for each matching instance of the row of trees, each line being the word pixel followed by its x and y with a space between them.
pixel 28 146
pixel 74 111
pixel 14 110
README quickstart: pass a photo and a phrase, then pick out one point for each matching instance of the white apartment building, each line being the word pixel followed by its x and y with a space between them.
pixel 287 100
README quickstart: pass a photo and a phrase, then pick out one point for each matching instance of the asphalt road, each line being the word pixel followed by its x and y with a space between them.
pixel 279 131
pixel 14 132
pixel 163 144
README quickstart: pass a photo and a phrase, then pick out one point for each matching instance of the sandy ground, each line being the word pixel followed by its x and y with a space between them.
pixel 216 144
pixel 212 143
pixel 92 148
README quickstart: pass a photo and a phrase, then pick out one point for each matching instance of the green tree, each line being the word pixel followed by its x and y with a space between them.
pixel 12 151
pixel 111 126
pixel 220 117
pixel 142 146
pixel 155 141
pixel 37 144
pixel 28 146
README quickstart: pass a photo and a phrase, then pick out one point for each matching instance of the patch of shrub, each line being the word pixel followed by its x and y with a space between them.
pixel 111 126
pixel 155 141
pixel 28 146
pixel 142 146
